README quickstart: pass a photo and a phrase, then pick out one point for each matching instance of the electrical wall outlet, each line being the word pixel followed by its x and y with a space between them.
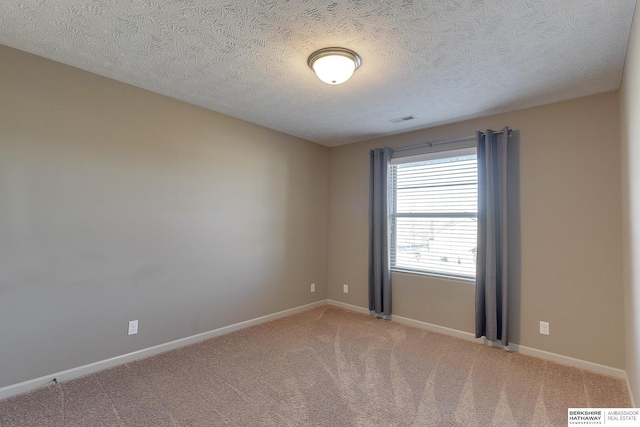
pixel 313 287
pixel 544 328
pixel 133 327
pixel 345 288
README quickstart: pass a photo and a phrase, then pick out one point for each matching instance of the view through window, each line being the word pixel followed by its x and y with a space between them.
pixel 433 221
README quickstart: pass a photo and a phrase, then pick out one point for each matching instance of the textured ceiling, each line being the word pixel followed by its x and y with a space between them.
pixel 440 60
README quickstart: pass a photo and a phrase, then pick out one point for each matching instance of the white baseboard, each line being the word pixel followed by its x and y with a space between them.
pixel 468 336
pixel 578 363
pixel 91 368
pixel 571 361
pixel 347 306
pixel 633 401
pixel 516 348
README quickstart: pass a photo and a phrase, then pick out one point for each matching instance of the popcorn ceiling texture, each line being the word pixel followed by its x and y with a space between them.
pixel 441 60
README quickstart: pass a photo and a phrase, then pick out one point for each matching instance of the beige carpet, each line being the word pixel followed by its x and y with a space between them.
pixel 323 367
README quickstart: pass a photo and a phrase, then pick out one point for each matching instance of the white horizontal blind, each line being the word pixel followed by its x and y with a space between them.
pixel 434 216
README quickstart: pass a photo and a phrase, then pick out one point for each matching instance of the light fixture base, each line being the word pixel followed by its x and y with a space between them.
pixel 328 51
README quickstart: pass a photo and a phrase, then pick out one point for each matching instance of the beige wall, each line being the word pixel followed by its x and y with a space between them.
pixel 121 204
pixel 630 143
pixel 565 231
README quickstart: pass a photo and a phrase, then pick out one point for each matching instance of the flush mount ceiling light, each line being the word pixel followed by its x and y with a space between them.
pixel 334 65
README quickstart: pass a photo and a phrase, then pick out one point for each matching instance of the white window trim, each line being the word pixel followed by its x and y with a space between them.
pixel 426 156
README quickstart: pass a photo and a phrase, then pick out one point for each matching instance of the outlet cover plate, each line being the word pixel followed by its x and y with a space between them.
pixel 544 328
pixel 133 327
pixel 345 288
pixel 313 287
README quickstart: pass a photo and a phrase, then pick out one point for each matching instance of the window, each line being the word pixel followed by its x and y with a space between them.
pixel 434 209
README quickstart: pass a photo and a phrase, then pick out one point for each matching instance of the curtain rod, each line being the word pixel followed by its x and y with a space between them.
pixel 440 142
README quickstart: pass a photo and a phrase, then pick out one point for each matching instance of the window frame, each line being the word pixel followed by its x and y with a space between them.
pixel 393 215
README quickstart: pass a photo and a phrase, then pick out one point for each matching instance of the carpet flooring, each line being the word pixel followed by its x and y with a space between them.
pixel 323 367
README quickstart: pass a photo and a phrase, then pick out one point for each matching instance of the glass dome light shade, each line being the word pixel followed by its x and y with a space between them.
pixel 334 65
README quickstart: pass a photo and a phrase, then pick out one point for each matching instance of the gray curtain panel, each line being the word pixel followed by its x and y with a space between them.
pixel 379 267
pixel 491 265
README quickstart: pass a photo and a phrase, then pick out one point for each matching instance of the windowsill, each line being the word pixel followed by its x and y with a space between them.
pixel 469 280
